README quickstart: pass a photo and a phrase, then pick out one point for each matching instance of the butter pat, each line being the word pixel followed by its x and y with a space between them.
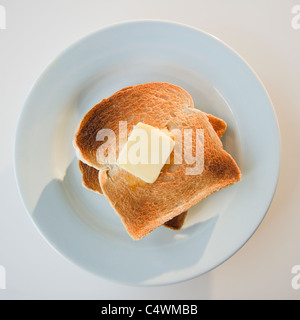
pixel 145 152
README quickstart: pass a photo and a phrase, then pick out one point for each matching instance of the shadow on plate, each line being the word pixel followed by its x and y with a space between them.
pixel 164 256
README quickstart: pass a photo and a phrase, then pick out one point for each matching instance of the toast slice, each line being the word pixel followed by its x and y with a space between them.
pixel 143 207
pixel 90 175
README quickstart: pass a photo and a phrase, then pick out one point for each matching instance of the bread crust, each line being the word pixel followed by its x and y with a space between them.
pixel 143 207
pixel 90 175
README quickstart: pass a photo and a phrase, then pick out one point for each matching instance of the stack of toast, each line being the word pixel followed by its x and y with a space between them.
pixel 143 206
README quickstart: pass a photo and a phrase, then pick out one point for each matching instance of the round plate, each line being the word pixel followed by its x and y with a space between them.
pixel 79 223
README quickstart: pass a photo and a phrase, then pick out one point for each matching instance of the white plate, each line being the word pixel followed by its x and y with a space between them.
pixel 81 224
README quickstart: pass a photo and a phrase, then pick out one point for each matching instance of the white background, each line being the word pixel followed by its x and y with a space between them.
pixel 261 32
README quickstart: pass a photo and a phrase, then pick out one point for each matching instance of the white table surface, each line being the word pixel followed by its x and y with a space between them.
pixel 262 33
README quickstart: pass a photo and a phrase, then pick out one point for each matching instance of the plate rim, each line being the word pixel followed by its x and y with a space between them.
pixel 77 42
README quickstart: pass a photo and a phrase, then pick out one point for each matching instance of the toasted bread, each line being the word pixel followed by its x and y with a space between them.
pixel 143 207
pixel 90 175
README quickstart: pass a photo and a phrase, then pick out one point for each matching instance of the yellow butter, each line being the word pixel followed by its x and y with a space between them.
pixel 145 152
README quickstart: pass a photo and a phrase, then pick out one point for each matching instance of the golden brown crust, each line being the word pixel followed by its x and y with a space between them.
pixel 132 104
pixel 218 124
pixel 177 222
pixel 91 181
pixel 143 207
pixel 90 178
